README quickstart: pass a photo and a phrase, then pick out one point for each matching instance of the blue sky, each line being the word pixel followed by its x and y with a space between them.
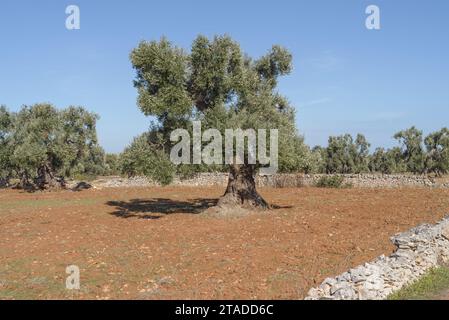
pixel 346 78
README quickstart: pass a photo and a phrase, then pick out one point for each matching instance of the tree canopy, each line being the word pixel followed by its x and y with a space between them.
pixel 41 144
pixel 437 146
pixel 219 85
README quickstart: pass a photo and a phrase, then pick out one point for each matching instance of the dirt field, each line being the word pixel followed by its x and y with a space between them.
pixel 148 243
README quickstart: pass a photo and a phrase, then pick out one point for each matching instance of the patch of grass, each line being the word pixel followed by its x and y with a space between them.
pixel 332 182
pixel 426 288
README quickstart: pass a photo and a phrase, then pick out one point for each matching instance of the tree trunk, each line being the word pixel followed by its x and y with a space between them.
pixel 24 182
pixel 4 182
pixel 241 190
pixel 46 179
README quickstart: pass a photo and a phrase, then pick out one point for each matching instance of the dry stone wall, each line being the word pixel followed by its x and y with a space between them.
pixel 417 251
pixel 299 180
pixel 282 180
pixel 378 180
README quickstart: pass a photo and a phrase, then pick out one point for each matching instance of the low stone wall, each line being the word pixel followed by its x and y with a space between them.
pixel 299 180
pixel 377 180
pixel 118 182
pixel 204 179
pixel 282 181
pixel 221 179
pixel 418 250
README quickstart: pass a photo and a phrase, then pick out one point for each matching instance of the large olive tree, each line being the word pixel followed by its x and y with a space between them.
pixel 224 88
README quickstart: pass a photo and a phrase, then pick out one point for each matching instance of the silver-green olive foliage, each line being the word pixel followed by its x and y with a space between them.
pixel 413 153
pixel 344 155
pixel 437 146
pixel 41 135
pixel 387 161
pixel 5 145
pixel 143 158
pixel 219 85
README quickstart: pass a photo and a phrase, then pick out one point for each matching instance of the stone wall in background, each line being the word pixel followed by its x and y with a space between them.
pixel 300 180
pixel 378 180
pixel 282 181
pixel 418 251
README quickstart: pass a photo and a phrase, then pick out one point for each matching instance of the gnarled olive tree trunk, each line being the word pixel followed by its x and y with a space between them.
pixel 4 182
pixel 47 180
pixel 241 190
pixel 24 181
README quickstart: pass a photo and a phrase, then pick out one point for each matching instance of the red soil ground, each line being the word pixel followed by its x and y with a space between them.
pixel 150 243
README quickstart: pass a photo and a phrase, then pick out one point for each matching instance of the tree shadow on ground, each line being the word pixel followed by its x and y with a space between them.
pixel 158 207
pixel 153 209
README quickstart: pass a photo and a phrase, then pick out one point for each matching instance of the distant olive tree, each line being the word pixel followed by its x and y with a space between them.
pixel 112 164
pixel 6 166
pixel 344 155
pixel 320 155
pixel 413 153
pixel 437 146
pixel 361 154
pixel 387 161
pixel 338 155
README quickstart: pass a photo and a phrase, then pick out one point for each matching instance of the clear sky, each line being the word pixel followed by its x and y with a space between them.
pixel 346 78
